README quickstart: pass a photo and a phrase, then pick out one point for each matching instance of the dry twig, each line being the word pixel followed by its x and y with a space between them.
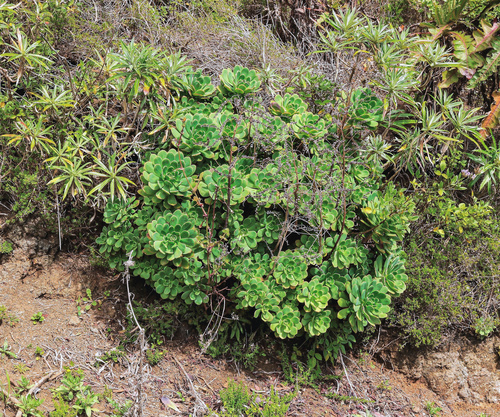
pixel 200 407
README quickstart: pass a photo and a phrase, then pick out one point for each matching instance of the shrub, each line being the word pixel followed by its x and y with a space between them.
pixel 452 285
pixel 272 218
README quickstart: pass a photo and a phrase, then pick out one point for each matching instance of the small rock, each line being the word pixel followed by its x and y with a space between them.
pixel 74 320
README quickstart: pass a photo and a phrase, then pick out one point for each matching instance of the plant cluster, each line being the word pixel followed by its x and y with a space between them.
pixel 72 398
pixel 112 355
pixel 237 401
pixel 6 247
pixel 260 206
pixel 85 303
pixel 73 390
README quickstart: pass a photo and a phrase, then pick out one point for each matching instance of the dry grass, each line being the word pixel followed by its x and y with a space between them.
pixel 215 36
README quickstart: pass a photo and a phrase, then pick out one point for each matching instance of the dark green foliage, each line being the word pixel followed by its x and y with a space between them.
pixel 452 285
pixel 159 319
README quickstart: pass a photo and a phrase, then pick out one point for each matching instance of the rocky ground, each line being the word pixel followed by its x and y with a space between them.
pixel 462 380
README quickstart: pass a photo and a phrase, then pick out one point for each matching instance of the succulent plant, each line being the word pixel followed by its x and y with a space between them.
pixel 195 295
pixel 254 266
pixel 308 126
pixel 146 268
pixel 215 185
pixel 366 109
pixel 165 283
pixel 239 80
pixel 119 211
pixel 386 217
pixel 271 132
pixel 316 323
pixel 254 290
pixel 245 235
pixel 192 273
pixel 290 269
pixel 166 175
pixel 263 185
pixel 286 323
pixel 232 126
pixel 269 228
pixel 365 301
pixel 144 216
pixel 348 253
pixel 287 106
pixel 328 215
pixel 119 241
pixel 197 135
pixel 172 235
pixel 314 295
pixel 391 272
pixel 198 85
pixel 327 276
pixel 248 203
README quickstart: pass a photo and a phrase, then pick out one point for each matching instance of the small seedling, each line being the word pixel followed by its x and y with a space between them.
pixel 432 409
pixel 21 368
pixel 62 408
pixel 37 318
pixel 9 319
pixel 12 320
pixel 72 384
pixel 39 352
pixel 23 384
pixel 86 302
pixel 154 356
pixel 5 350
pixel 107 393
pixel 6 247
pixel 119 410
pixel 384 385
pixel 3 313
pixel 112 355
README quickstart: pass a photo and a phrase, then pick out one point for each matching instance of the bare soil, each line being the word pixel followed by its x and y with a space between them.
pixel 32 282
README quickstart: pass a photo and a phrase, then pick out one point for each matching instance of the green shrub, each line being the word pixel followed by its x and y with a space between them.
pixel 6 247
pixel 269 217
pixel 452 284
